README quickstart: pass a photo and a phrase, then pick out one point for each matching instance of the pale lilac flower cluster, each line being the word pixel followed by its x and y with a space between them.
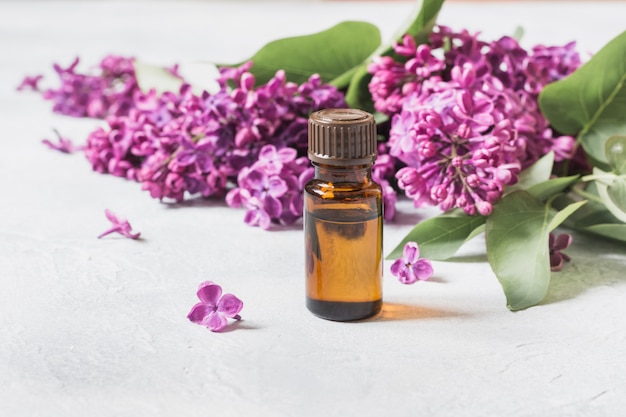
pixel 183 144
pixel 464 115
pixel 108 90
pixel 271 189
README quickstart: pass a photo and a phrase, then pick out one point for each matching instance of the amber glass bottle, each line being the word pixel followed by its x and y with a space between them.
pixel 343 217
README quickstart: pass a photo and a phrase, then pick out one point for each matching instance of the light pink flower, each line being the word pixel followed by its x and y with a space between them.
pixel 214 309
pixel 120 226
pixel 411 268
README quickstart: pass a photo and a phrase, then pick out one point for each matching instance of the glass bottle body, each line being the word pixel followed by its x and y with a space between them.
pixel 343 240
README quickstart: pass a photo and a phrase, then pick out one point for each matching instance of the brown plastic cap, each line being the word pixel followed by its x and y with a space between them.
pixel 342 137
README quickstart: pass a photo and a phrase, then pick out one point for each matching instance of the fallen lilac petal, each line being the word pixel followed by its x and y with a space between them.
pixel 120 226
pixel 63 144
pixel 30 83
pixel 209 293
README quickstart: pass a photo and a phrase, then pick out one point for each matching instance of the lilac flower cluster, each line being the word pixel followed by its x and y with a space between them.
pixel 464 115
pixel 271 189
pixel 108 90
pixel 186 144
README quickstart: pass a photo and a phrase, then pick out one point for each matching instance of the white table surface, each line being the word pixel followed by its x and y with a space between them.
pixel 98 327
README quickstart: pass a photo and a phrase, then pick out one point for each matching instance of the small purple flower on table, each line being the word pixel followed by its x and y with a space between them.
pixel 214 309
pixel 30 83
pixel 119 225
pixel 411 268
pixel 62 144
pixel 557 244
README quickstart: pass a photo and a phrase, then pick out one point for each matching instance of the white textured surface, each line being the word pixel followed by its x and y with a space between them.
pixel 97 327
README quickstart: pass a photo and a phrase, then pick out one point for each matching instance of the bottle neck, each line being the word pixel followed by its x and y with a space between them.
pixel 350 173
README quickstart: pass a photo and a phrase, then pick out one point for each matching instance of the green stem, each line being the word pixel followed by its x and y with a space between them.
pixel 579 190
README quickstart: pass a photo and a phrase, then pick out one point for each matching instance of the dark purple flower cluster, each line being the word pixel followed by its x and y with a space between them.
pixel 186 144
pixel 107 91
pixel 464 115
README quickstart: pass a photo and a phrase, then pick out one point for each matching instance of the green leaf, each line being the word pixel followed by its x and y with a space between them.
pixel 537 173
pixel 536 179
pixel 544 190
pixel 591 102
pixel 155 77
pixel 440 237
pixel 615 151
pixel 609 230
pixel 357 94
pixel 590 214
pixel 594 218
pixel 419 24
pixel 334 54
pixel 562 215
pixel 516 235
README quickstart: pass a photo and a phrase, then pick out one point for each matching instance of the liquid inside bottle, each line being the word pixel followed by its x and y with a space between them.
pixel 344 251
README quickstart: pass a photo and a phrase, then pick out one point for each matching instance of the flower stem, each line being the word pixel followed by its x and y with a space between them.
pixel 579 190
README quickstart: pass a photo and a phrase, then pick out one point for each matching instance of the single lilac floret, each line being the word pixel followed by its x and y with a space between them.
pixel 62 144
pixel 411 268
pixel 120 226
pixel 30 83
pixel 214 308
pixel 556 245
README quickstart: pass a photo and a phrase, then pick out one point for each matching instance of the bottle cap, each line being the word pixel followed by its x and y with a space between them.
pixel 342 137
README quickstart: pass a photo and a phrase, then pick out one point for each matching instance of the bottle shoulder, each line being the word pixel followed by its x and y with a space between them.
pixel 328 189
pixel 330 193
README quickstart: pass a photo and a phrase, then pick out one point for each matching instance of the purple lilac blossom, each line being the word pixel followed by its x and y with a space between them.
pixel 411 268
pixel 181 144
pixel 214 308
pixel 556 245
pixel 464 115
pixel 108 91
pixel 270 189
pixel 119 225
pixel 459 149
